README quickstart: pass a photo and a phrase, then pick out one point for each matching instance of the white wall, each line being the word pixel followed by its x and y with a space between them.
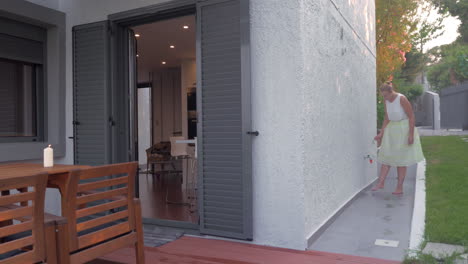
pixel 144 123
pixel 313 101
pixel 339 113
pixel 278 185
pixel 314 105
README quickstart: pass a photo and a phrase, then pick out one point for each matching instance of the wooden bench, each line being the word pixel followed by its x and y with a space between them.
pixel 115 222
pixel 23 230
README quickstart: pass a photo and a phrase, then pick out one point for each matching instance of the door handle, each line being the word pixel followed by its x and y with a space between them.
pixel 253 133
pixel 111 121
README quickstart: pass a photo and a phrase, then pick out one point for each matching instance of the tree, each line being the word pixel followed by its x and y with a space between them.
pixel 396 21
pixel 427 29
pixel 458 9
pixel 449 65
pixel 398 39
pixel 414 65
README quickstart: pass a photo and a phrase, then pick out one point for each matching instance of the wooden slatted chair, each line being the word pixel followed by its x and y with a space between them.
pixel 102 214
pixel 23 231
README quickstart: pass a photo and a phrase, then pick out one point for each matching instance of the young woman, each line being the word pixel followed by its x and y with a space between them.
pixel 398 138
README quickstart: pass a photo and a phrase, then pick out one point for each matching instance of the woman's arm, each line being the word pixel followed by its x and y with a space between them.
pixel 409 112
pixel 385 122
pixel 378 138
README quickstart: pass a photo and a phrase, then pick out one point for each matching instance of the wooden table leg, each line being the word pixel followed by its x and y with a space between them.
pixel 51 250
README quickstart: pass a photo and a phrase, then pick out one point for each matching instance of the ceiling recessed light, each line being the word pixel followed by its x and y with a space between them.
pixel 186 27
pixel 137 35
pixel 163 62
pixel 172 46
pixel 138 55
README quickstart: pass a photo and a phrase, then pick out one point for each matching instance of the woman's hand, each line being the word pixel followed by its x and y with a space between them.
pixel 410 139
pixel 378 137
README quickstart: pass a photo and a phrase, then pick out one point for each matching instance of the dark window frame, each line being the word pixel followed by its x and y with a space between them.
pixel 38 76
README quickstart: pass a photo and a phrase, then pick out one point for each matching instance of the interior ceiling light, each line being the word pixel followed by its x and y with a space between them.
pixel 138 55
pixel 186 27
pixel 137 35
pixel 171 46
pixel 163 62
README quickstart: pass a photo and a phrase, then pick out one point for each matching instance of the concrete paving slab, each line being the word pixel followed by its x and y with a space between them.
pixel 463 259
pixel 372 216
pixel 440 250
pixel 441 132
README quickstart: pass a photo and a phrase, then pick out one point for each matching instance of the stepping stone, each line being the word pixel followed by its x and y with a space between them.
pixel 463 259
pixel 439 250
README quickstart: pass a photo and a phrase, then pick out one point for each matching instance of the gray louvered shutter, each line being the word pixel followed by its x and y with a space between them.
pixel 225 147
pixel 91 94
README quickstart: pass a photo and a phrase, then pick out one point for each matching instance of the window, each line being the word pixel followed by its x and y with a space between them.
pixel 32 62
pixel 22 63
pixel 20 104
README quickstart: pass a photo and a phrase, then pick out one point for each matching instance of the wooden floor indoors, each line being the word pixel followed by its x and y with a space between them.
pixel 153 198
pixel 208 251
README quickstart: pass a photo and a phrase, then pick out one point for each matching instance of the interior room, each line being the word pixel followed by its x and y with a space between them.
pixel 167 119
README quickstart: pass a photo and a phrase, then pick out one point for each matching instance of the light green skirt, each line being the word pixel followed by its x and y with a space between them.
pixel 394 150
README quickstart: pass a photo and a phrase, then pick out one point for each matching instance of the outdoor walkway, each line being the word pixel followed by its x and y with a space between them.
pixel 372 216
pixel 208 251
pixel 425 131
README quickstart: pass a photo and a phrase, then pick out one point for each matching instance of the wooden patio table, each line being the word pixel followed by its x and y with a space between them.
pixel 58 174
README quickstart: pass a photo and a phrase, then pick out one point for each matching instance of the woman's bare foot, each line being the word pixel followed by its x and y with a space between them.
pixel 377 187
pixel 397 192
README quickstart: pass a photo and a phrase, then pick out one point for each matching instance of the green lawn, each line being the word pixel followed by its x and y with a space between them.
pixel 446 189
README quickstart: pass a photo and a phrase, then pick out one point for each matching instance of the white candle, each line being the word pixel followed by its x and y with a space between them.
pixel 48 157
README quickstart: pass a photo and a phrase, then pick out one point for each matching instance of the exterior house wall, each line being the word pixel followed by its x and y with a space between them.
pixel 278 184
pixel 338 117
pixel 313 102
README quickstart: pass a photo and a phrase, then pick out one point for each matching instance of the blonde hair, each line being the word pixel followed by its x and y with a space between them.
pixel 386 87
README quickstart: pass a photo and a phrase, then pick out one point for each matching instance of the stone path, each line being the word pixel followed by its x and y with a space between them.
pixel 442 132
pixel 376 224
pixel 440 251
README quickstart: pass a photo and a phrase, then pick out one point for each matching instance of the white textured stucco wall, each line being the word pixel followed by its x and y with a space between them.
pixel 339 115
pixel 278 185
pixel 313 101
pixel 313 70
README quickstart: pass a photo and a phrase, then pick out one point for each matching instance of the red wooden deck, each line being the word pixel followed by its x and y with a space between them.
pixel 208 251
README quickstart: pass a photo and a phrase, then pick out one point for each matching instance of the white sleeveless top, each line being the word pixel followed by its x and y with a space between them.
pixel 395 111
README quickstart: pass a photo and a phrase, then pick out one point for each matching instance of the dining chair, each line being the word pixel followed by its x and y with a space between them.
pixel 158 154
pixel 23 230
pixel 178 152
pixel 102 214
